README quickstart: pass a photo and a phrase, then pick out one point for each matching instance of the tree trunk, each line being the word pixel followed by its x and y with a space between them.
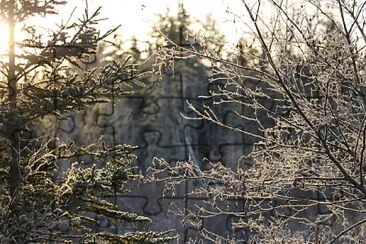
pixel 14 172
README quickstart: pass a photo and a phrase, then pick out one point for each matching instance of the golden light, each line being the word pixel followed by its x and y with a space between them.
pixel 3 39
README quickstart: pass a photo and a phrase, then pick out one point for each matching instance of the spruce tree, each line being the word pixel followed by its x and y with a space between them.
pixel 38 203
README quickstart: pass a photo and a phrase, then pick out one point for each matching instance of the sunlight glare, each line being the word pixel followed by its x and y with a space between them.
pixel 3 39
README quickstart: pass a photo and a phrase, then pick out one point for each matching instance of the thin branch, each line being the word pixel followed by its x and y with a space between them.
pixel 348 229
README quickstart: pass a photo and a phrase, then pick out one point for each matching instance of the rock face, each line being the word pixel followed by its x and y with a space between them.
pixel 152 120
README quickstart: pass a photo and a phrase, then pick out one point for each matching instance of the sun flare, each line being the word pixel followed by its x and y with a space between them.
pixel 3 38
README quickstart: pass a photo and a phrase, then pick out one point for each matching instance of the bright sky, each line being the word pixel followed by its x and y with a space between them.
pixel 138 16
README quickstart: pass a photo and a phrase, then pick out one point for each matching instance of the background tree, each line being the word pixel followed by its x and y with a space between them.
pixel 38 203
pixel 305 91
